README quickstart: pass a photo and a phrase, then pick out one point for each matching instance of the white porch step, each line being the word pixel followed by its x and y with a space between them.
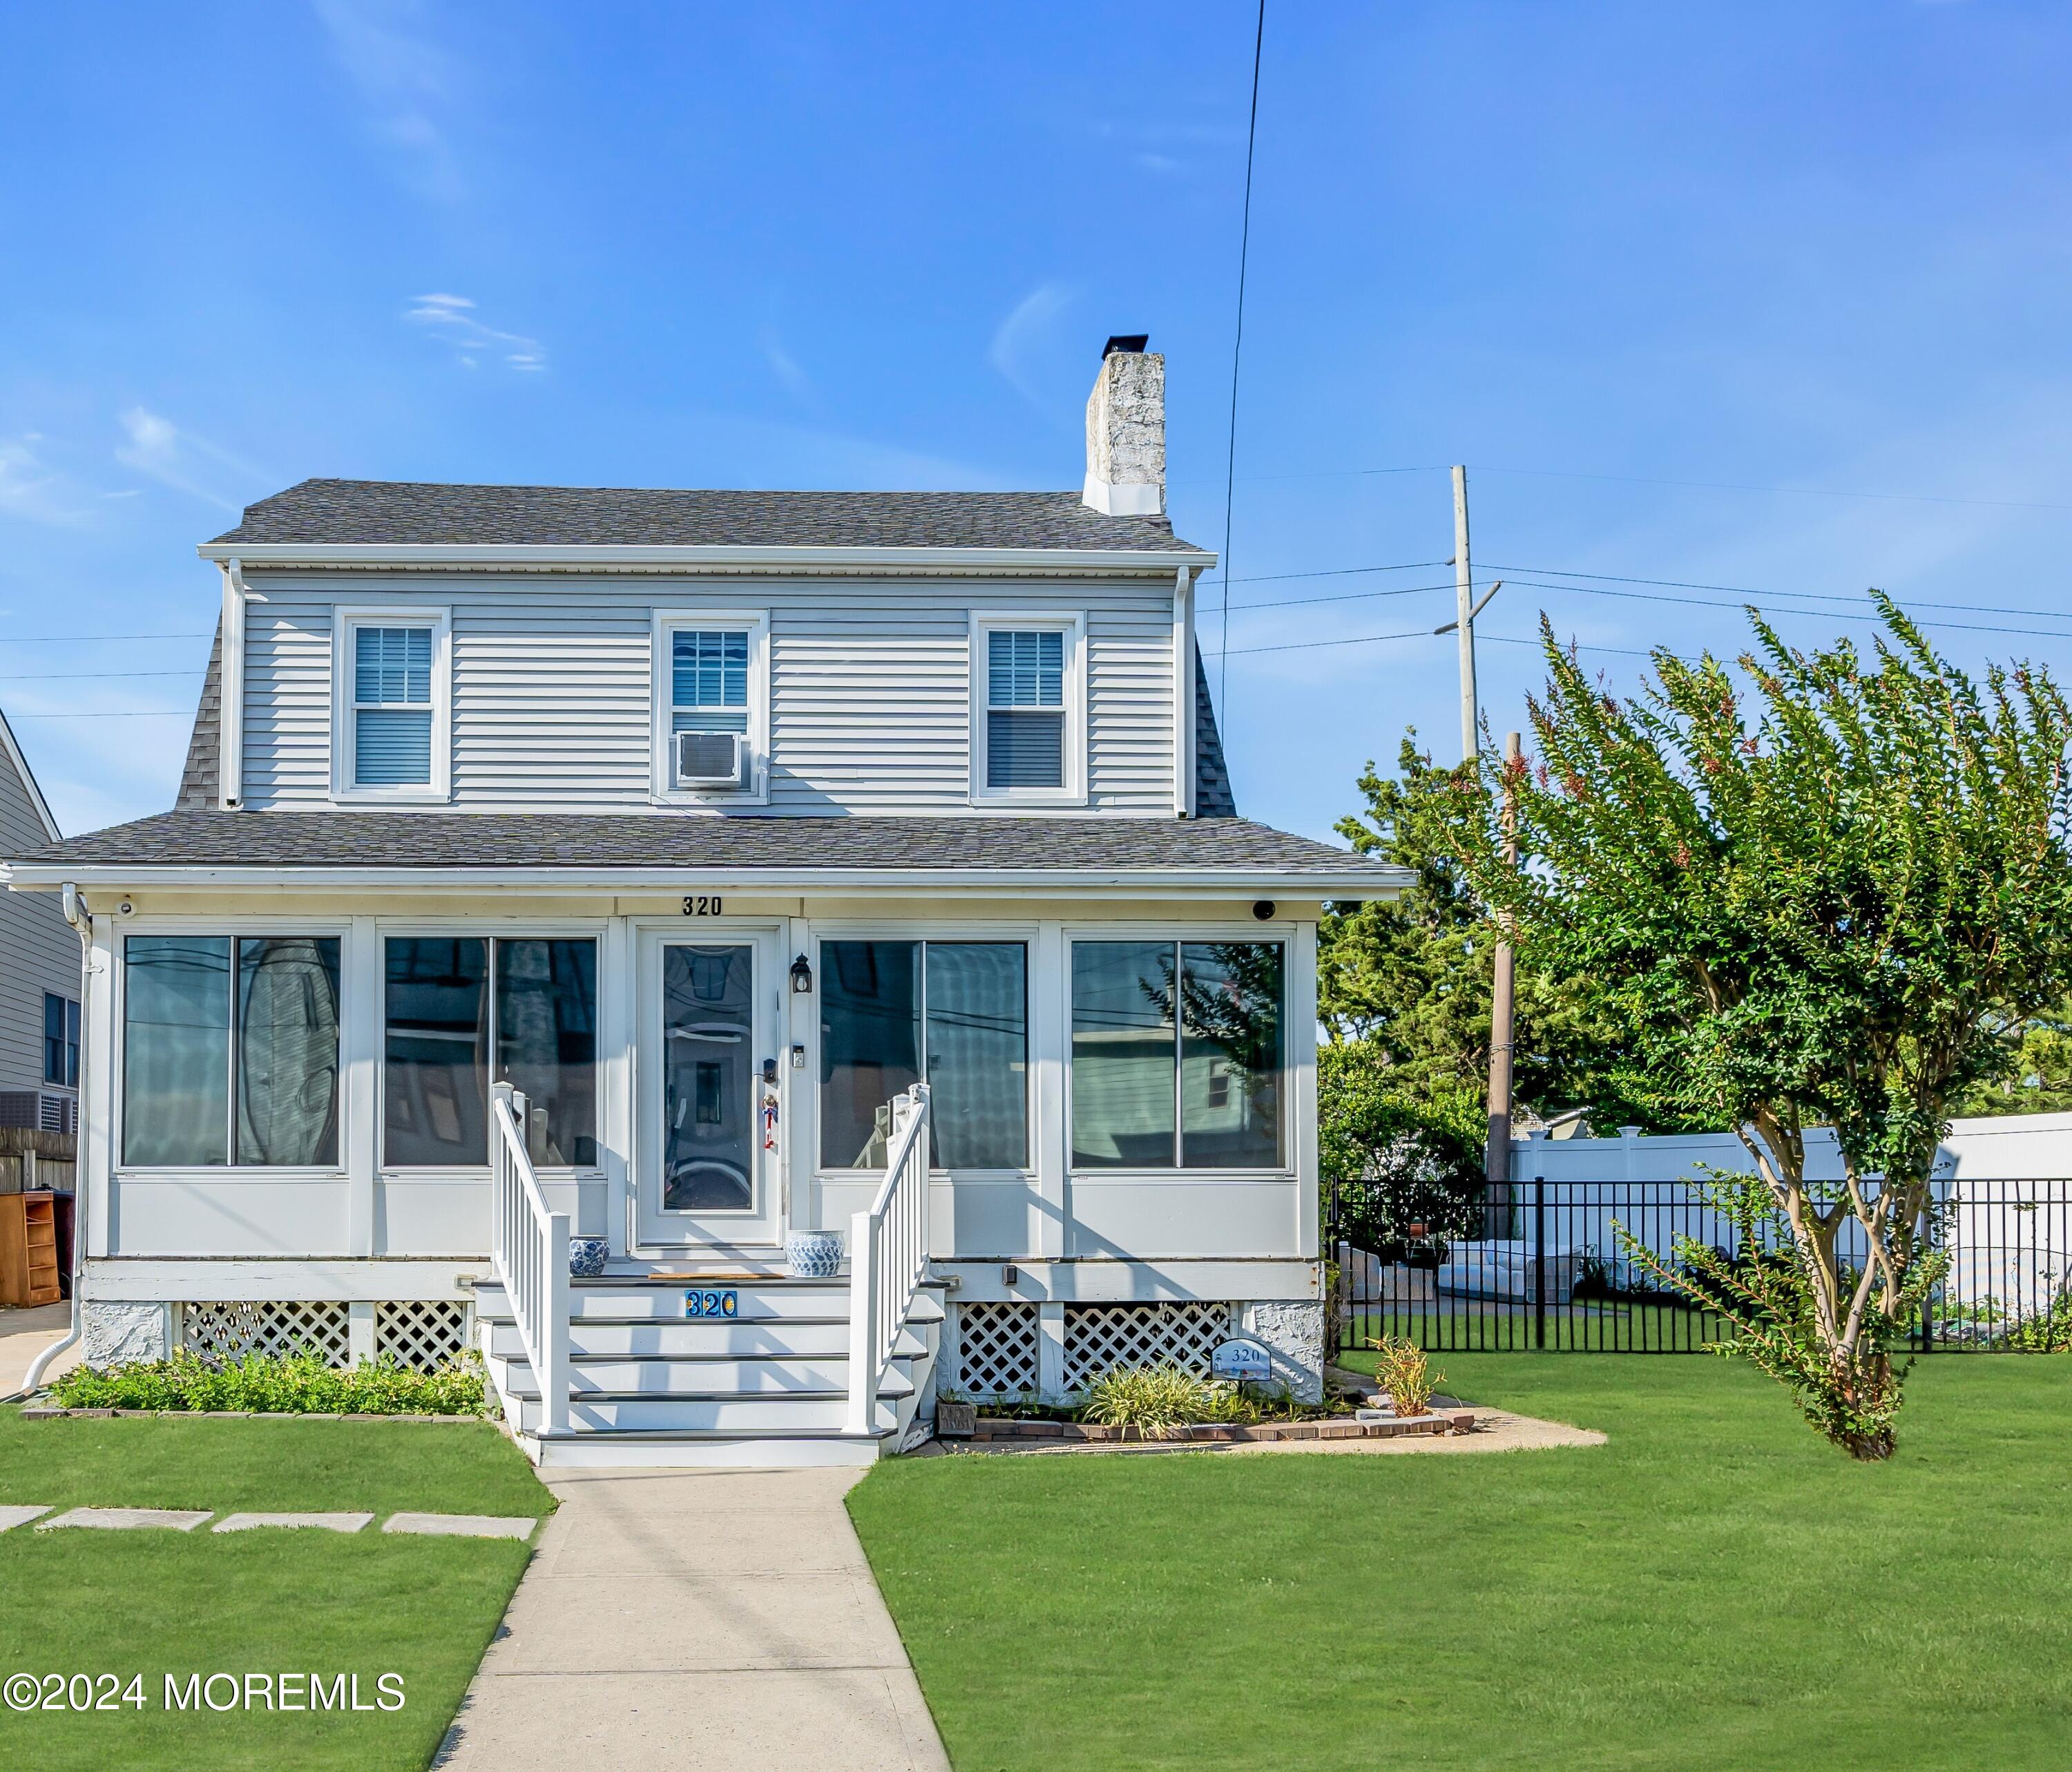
pixel 823 1413
pixel 783 1376
pixel 636 1299
pixel 616 1450
pixel 693 1338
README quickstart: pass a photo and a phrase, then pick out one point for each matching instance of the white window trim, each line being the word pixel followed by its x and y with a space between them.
pixel 1073 626
pixel 343 789
pixel 755 624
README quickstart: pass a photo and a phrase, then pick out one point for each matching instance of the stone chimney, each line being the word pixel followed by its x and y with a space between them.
pixel 1126 431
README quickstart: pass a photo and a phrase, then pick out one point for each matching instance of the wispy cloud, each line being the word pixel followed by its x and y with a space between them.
pixel 1027 333
pixel 188 464
pixel 453 320
pixel 784 366
pixel 407 84
pixel 29 487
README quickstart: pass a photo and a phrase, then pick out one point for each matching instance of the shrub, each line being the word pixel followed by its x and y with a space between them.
pixel 1405 1374
pixel 1154 1399
pixel 291 1384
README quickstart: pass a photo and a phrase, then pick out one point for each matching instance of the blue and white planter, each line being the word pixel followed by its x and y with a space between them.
pixel 586 1256
pixel 812 1254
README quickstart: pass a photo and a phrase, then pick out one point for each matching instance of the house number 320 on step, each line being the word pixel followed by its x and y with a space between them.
pixel 702 905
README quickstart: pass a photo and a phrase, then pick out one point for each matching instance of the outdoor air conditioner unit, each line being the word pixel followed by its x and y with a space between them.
pixel 712 760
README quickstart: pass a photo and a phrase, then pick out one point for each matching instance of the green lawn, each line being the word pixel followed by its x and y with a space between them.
pixel 1713 1588
pixel 259 1603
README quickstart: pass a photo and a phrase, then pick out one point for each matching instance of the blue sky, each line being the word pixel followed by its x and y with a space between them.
pixel 1682 285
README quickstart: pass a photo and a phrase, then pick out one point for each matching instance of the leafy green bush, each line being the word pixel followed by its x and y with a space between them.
pixel 1154 1399
pixel 293 1384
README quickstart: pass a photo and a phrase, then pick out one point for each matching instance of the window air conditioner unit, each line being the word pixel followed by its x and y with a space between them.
pixel 711 759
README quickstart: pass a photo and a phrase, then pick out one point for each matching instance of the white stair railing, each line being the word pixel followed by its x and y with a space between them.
pixel 531 1251
pixel 888 1254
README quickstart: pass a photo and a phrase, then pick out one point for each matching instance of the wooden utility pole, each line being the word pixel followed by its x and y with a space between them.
pixel 1496 1160
pixel 1464 595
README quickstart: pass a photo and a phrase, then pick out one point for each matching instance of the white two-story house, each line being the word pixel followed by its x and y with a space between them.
pixel 688 870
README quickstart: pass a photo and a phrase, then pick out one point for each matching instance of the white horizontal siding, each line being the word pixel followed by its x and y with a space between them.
pixel 869 686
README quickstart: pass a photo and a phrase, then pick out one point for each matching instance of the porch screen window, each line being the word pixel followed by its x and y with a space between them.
pixel 462 1010
pixel 392 706
pixel 953 1014
pixel 708 680
pixel 1178 1050
pixel 1025 709
pixel 230 1051
pixel 60 1040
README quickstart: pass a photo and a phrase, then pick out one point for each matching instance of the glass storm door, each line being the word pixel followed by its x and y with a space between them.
pixel 710 1168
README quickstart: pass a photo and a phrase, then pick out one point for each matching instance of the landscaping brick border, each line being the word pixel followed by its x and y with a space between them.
pixel 48 1413
pixel 1225 1433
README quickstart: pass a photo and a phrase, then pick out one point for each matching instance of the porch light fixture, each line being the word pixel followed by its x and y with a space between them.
pixel 802 977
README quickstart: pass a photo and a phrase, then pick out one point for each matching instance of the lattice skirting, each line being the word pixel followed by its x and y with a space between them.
pixel 231 1329
pixel 422 1333
pixel 996 1349
pixel 1098 1337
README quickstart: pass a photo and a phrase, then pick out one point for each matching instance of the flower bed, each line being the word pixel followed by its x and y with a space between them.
pixel 299 1384
pixel 1001 1427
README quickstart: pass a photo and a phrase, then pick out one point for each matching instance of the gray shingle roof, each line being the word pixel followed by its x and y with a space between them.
pixel 411 513
pixel 290 840
pixel 198 777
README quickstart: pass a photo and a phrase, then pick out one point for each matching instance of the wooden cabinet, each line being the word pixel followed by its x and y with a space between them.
pixel 28 1249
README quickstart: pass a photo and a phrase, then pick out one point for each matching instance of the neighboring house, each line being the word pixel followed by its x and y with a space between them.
pixel 714 822
pixel 40 971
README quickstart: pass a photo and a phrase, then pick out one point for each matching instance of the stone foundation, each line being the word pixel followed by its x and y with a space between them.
pixel 1291 1330
pixel 121 1333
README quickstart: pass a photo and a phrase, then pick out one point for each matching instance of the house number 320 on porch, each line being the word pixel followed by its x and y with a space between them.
pixel 702 906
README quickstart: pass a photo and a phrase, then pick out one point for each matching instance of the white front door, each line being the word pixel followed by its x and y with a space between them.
pixel 708 1174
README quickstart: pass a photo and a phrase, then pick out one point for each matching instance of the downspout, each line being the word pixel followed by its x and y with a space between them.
pixel 230 692
pixel 76 914
pixel 1183 694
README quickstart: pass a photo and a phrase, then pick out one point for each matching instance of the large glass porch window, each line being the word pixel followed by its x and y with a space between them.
pixel 1178 1052
pixel 463 1011
pixel 955 1014
pixel 230 1051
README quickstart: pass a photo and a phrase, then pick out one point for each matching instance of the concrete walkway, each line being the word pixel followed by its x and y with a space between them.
pixel 697 1620
pixel 24 1334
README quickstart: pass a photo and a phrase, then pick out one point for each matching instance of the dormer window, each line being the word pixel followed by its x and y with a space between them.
pixel 391 737
pixel 712 676
pixel 1027 709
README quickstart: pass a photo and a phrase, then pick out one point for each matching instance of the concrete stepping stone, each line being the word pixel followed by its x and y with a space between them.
pixel 462 1525
pixel 326 1523
pixel 14 1515
pixel 129 1519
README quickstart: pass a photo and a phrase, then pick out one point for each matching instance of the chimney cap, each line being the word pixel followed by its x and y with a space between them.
pixel 1132 342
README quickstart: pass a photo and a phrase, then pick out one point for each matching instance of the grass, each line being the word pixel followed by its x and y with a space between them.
pixel 257 1603
pixel 1715 1588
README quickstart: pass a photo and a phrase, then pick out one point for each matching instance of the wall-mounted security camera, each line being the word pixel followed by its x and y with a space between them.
pixel 125 909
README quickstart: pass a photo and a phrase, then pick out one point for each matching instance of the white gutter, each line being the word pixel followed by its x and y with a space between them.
pixel 491 878
pixel 1160 561
pixel 230 693
pixel 76 914
pixel 1183 694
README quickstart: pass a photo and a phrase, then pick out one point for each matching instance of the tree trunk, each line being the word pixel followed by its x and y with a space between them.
pixel 1866 1383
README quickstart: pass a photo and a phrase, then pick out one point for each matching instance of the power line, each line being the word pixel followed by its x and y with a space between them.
pixel 115 714
pixel 69 676
pixel 1237 348
pixel 1830 596
pixel 1336 572
pixel 40 639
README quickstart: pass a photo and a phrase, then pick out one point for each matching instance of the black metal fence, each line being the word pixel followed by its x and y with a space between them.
pixel 1541 1265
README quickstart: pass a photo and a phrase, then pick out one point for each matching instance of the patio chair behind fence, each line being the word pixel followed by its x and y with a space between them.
pixel 1539 1265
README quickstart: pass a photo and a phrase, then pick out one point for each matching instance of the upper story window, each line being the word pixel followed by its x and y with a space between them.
pixel 711 670
pixel 392 739
pixel 1027 709
pixel 60 1040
